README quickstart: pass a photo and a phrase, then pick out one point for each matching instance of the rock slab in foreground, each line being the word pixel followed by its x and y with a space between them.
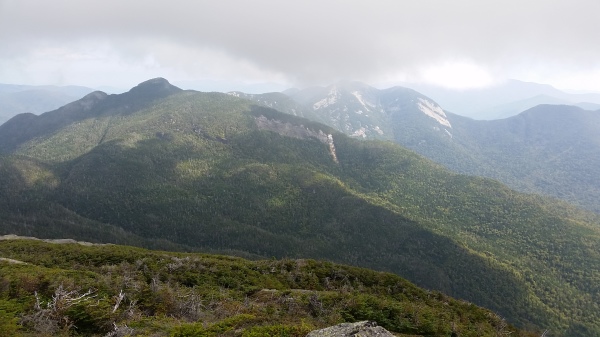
pixel 358 329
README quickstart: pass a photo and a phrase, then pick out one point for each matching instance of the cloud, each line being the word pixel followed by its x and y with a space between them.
pixel 307 42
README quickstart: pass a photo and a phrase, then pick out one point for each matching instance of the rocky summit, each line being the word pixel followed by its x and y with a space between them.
pixel 358 329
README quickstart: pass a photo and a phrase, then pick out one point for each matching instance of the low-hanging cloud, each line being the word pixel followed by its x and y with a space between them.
pixel 308 42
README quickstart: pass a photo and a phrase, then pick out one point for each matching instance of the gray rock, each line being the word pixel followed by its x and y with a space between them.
pixel 358 329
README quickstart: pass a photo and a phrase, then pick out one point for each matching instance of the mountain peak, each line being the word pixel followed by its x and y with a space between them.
pixel 157 85
pixel 155 81
pixel 89 100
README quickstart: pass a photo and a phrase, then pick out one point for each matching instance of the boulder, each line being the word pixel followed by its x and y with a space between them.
pixel 358 329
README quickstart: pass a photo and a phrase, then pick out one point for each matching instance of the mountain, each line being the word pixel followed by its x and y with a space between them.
pixel 16 99
pixel 559 162
pixel 24 127
pixel 281 102
pixel 362 111
pixel 514 108
pixel 503 100
pixel 548 149
pixel 108 290
pixel 183 170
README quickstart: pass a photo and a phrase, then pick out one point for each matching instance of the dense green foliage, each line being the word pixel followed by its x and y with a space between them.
pixel 140 293
pixel 549 149
pixel 194 171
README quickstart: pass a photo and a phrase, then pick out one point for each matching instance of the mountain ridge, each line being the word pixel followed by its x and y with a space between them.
pixel 11 135
pixel 501 100
pixel 415 121
pixel 196 170
pixel 15 99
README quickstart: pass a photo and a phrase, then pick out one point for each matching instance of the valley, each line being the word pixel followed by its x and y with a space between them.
pixel 164 168
pixel 549 149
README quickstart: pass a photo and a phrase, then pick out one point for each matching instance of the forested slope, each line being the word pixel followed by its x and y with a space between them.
pixel 212 172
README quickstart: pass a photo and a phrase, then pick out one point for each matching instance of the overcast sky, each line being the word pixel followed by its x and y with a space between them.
pixel 458 43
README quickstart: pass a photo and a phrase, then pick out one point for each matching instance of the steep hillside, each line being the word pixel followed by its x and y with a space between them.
pixel 24 127
pixel 281 102
pixel 185 170
pixel 559 162
pixel 549 149
pixel 398 114
pixel 73 289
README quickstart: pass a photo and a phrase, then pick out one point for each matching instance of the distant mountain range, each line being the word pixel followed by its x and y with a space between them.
pixel 504 100
pixel 497 102
pixel 16 99
pixel 548 149
pixel 365 112
pixel 161 167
